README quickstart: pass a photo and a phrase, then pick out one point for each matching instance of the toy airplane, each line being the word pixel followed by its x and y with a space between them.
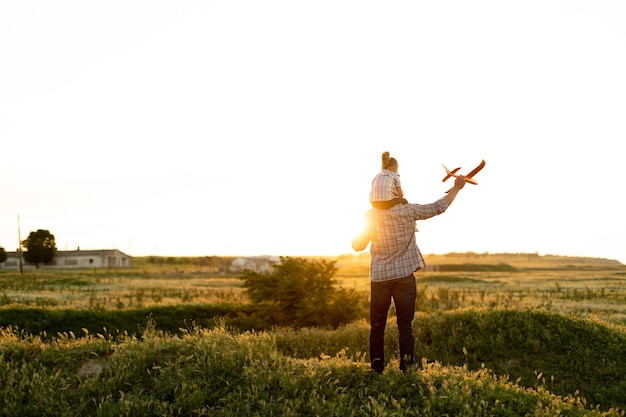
pixel 468 178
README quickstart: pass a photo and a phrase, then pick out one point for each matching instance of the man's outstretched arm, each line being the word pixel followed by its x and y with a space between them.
pixel 458 184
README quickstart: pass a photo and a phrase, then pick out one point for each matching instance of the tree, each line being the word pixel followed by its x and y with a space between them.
pixel 300 293
pixel 3 254
pixel 40 247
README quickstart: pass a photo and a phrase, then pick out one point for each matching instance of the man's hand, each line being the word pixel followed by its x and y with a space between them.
pixel 459 182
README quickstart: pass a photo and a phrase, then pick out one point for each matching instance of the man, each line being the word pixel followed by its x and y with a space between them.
pixel 395 257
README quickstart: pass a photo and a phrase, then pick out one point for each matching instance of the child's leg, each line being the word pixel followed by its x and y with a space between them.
pixel 386 205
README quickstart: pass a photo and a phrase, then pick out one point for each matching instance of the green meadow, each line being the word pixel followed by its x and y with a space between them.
pixel 497 335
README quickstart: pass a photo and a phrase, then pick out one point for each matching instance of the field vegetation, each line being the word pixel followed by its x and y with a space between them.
pixel 498 334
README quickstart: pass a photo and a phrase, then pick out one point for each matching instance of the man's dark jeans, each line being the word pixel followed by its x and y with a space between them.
pixel 403 291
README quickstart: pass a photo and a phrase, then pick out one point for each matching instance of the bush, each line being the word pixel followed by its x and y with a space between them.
pixel 300 293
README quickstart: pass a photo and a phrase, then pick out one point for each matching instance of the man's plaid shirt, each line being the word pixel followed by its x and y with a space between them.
pixel 393 247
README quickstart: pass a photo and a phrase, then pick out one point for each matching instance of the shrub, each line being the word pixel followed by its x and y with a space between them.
pixel 300 293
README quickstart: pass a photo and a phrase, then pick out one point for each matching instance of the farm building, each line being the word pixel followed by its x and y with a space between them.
pixel 259 264
pixel 104 258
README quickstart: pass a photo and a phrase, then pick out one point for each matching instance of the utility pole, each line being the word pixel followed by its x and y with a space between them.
pixel 19 245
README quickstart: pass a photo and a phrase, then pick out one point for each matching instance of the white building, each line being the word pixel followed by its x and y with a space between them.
pixel 104 258
pixel 259 264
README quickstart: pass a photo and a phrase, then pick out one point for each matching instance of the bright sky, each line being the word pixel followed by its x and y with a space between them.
pixel 234 127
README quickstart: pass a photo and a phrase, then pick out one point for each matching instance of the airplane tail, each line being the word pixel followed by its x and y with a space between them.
pixel 449 173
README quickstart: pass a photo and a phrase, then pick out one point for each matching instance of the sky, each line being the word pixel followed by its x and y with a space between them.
pixel 234 128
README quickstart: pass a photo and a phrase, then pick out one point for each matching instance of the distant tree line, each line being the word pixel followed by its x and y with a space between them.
pixel 213 261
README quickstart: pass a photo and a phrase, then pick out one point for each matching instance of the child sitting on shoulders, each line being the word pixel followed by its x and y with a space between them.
pixel 386 189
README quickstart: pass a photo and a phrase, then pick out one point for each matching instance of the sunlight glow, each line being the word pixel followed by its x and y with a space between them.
pixel 255 128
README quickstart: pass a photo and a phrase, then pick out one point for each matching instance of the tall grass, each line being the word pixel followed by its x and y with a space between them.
pixel 213 372
pixel 535 348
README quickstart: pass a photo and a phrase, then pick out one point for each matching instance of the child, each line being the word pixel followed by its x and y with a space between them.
pixel 386 189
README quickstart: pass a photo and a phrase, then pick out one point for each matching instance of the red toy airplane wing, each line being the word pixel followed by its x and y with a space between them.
pixel 476 170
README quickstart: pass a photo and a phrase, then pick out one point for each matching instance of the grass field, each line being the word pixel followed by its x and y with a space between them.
pixel 499 334
pixel 582 287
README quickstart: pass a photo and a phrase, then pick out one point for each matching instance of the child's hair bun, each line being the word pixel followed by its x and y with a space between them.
pixel 385 159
